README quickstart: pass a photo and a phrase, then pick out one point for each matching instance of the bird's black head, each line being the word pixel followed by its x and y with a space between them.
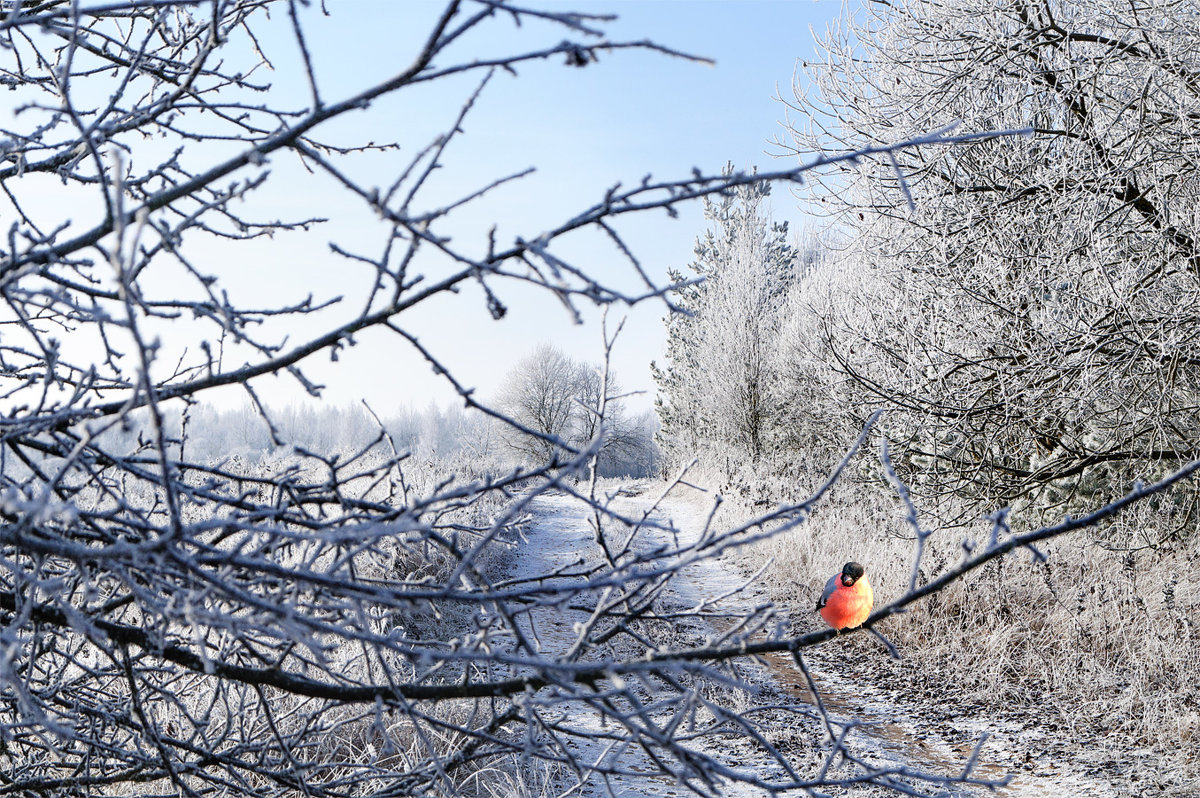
pixel 851 573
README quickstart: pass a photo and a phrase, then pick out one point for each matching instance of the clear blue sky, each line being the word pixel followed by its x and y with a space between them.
pixel 630 114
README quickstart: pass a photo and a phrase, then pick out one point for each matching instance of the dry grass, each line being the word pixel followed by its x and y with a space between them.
pixel 1100 644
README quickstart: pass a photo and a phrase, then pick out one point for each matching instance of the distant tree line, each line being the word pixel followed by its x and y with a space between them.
pixel 548 391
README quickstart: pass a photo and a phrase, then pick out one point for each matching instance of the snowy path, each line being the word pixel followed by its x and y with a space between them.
pixel 560 538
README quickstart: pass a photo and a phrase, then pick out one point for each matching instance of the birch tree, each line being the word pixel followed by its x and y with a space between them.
pixel 543 391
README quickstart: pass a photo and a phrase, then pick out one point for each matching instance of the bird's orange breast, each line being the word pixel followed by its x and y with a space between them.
pixel 848 607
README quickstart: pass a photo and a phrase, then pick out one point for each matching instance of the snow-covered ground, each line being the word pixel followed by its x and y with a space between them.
pixel 559 539
pixel 889 735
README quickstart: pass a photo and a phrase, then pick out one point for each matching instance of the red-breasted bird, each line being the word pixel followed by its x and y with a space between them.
pixel 847 599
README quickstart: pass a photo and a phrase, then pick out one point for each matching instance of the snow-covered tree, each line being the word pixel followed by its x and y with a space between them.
pixel 543 391
pixel 556 398
pixel 1029 306
pixel 718 389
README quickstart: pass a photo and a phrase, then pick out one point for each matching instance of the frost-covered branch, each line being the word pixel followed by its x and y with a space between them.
pixel 330 621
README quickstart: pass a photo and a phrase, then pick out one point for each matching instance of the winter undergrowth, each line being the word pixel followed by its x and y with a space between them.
pixel 1099 644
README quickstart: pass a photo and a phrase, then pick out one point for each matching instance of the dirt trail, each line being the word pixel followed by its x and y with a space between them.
pixel 888 735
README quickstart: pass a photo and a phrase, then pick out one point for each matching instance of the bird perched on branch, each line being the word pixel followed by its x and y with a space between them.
pixel 847 599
